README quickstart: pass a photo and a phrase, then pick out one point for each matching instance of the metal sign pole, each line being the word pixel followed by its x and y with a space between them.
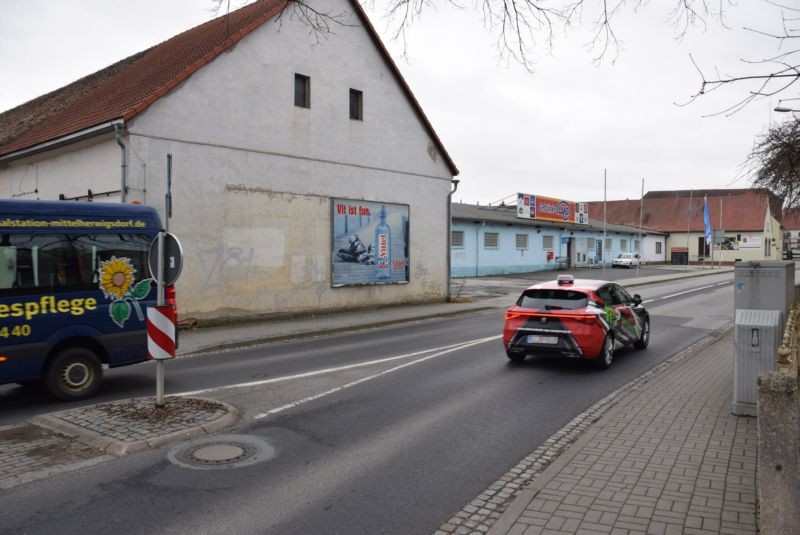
pixel 168 196
pixel 160 302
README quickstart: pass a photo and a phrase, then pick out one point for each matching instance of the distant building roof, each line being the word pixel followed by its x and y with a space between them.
pixel 791 219
pixel 128 87
pixel 743 210
pixel 508 215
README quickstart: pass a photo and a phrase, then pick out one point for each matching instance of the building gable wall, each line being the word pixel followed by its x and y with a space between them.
pixel 254 175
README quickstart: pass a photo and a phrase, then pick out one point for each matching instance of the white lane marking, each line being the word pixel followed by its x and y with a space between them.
pixel 333 370
pixel 684 293
pixel 374 376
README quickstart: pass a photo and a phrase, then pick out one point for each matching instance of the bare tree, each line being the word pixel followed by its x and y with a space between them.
pixel 775 161
pixel 523 26
pixel 319 23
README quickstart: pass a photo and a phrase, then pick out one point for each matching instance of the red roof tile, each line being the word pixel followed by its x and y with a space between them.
pixel 743 210
pixel 130 86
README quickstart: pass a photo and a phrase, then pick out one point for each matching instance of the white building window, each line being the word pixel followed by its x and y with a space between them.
pixel 491 240
pixel 623 245
pixel 636 245
pixel 590 244
pixel 658 247
pixel 522 241
pixel 457 239
pixel 547 242
pixel 608 244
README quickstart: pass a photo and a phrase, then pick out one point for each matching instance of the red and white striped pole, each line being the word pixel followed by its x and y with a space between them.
pixel 161 332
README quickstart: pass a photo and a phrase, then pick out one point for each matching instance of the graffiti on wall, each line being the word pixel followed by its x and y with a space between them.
pixel 224 263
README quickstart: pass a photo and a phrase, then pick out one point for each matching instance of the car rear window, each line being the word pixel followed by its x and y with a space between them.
pixel 553 299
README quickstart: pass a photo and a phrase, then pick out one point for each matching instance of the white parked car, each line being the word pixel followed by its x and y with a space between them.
pixel 627 260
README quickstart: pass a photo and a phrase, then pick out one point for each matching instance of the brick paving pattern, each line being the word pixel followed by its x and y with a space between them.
pixel 137 419
pixel 671 459
pixel 28 449
pixel 76 438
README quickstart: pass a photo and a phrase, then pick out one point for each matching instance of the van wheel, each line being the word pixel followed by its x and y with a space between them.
pixel 75 373
pixel 606 356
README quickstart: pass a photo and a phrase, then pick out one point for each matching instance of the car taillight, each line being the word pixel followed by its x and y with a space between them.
pixel 169 295
pixel 170 298
pixel 511 315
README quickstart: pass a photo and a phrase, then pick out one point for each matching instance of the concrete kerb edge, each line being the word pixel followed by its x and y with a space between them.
pixel 615 403
pixel 120 448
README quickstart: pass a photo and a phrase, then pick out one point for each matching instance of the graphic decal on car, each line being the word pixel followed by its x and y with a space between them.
pixel 117 283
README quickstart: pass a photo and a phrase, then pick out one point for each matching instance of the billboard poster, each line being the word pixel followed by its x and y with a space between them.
pixel 550 209
pixel 370 242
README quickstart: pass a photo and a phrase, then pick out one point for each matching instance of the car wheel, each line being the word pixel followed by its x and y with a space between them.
pixel 606 356
pixel 642 342
pixel 75 373
pixel 515 356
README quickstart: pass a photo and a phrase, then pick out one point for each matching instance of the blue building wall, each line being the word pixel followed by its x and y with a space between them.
pixel 475 258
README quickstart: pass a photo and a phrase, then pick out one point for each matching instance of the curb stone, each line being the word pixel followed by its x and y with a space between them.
pixel 55 422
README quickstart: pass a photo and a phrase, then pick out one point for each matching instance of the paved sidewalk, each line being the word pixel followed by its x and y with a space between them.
pixel 668 458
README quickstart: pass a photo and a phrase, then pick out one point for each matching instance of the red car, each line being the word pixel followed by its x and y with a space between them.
pixel 586 319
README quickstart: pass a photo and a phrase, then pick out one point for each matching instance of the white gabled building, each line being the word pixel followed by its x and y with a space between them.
pixel 268 133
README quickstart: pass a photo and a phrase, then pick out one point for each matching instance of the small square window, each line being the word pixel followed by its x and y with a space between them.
pixel 302 91
pixel 491 240
pixel 457 239
pixel 547 242
pixel 522 241
pixel 356 105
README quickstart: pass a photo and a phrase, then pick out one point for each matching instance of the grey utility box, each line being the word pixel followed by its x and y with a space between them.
pixel 756 338
pixel 764 285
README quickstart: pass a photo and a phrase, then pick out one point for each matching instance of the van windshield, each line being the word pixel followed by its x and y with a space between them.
pixel 553 299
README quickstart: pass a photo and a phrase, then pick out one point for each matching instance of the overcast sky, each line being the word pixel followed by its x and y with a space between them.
pixel 551 132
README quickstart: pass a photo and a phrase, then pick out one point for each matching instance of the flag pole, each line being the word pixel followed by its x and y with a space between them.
pixel 688 227
pixel 641 247
pixel 721 250
pixel 603 259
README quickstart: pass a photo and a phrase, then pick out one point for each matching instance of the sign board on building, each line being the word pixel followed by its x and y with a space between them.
pixel 370 242
pixel 550 209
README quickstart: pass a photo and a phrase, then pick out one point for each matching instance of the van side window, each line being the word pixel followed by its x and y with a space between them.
pixel 45 263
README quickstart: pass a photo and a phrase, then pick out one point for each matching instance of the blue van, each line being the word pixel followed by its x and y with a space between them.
pixel 74 291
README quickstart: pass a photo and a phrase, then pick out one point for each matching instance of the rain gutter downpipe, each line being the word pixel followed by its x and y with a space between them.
pixel 455 182
pixel 123 161
pixel 478 248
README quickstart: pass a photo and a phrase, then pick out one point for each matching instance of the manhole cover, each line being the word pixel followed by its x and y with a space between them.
pixel 226 451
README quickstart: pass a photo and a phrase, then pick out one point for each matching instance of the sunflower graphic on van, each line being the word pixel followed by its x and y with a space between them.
pixel 117 282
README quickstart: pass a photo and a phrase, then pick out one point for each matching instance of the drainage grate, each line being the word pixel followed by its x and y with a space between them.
pixel 225 451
